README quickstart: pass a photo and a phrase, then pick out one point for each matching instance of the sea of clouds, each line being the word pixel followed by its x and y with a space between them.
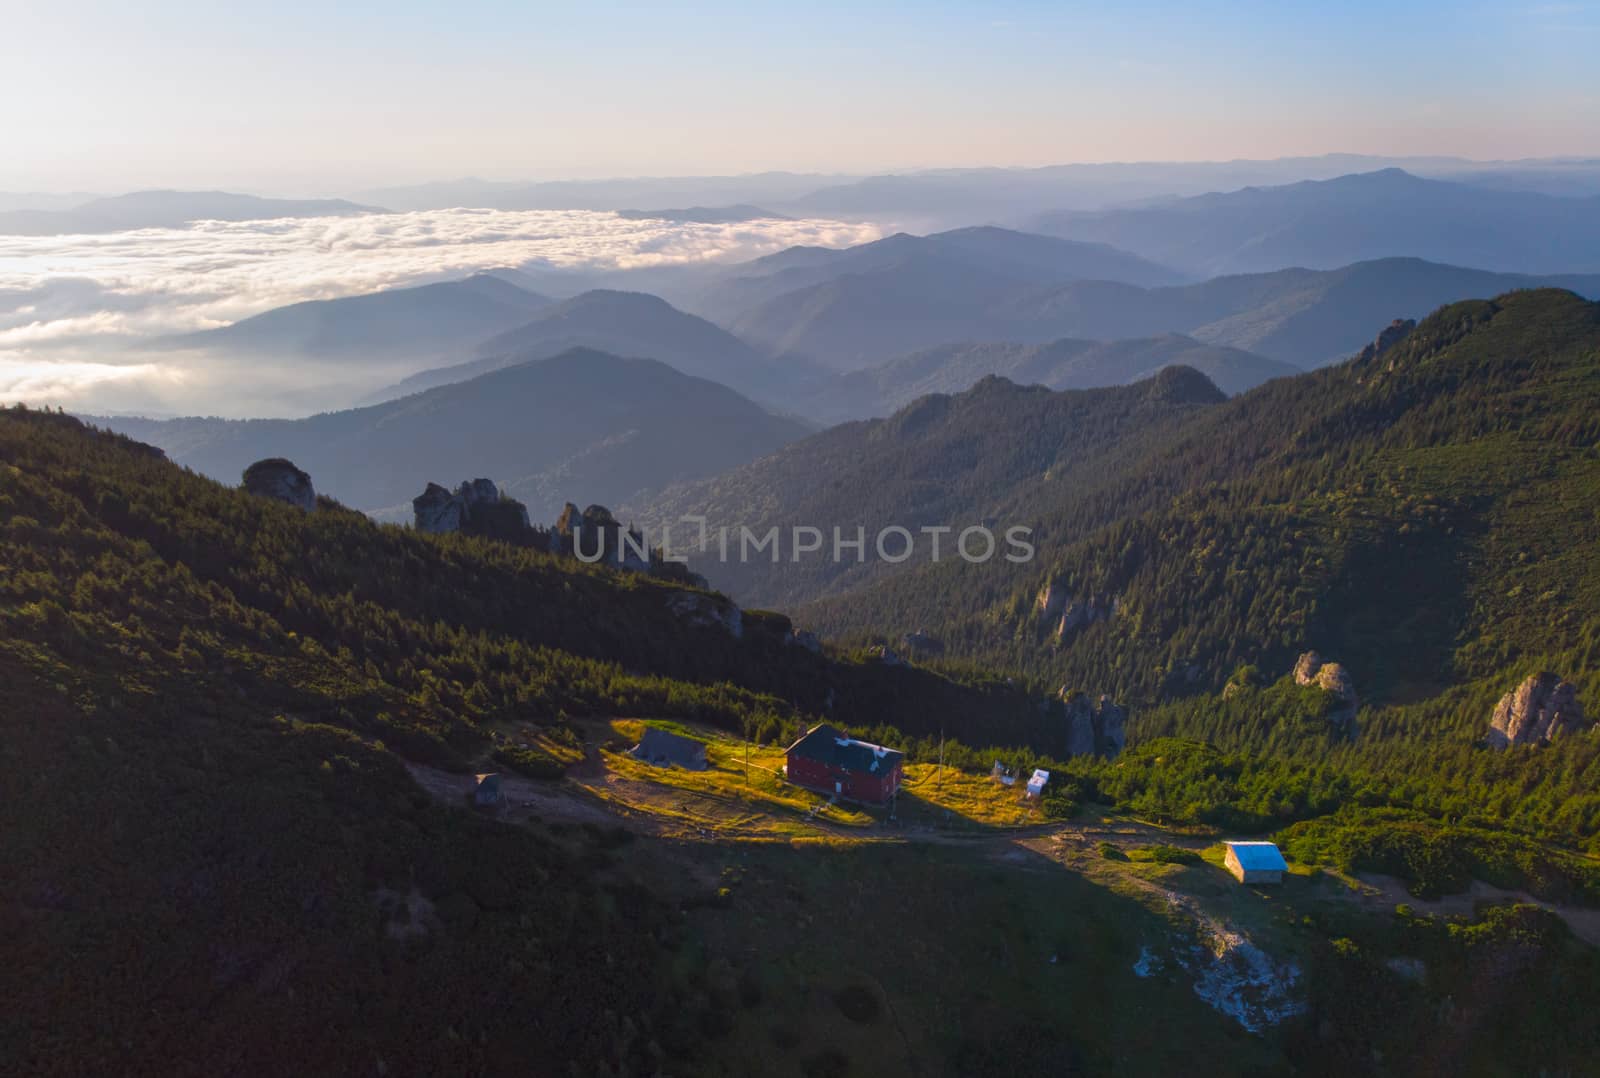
pixel 78 313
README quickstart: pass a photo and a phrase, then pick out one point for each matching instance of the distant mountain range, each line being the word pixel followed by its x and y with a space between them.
pixel 582 426
pixel 1296 316
pixel 628 324
pixel 997 454
pixel 848 308
pixel 706 215
pixel 1326 223
pixel 168 209
pixel 427 321
pixel 935 199
pixel 1063 364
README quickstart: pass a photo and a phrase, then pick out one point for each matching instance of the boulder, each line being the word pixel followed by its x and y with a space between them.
pixel 279 479
pixel 1541 709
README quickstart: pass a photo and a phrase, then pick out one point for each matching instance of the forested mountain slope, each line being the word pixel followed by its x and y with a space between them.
pixel 1425 516
pixel 212 846
pixel 1063 364
pixel 995 455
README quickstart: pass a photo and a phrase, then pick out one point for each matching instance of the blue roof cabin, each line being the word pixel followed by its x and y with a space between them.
pixel 1255 862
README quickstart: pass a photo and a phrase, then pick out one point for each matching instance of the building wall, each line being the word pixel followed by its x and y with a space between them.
pixel 874 789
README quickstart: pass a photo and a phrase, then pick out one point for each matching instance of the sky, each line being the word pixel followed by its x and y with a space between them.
pixel 321 99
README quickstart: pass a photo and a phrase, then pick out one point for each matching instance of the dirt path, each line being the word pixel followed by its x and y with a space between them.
pixel 525 799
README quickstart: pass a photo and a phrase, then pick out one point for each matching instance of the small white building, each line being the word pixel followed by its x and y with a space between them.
pixel 1036 784
pixel 1256 862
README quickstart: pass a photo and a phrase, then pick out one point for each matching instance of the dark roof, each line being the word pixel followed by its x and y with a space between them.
pixel 831 746
pixel 664 747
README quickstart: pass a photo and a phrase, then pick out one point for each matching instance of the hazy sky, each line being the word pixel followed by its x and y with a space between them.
pixel 298 98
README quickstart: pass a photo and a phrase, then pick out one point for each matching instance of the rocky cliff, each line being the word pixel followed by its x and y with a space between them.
pixel 279 479
pixel 1066 613
pixel 1542 708
pixel 1098 729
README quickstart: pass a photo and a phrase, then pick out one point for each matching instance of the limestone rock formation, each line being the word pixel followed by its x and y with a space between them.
pixel 1334 680
pixel 1387 338
pixel 698 610
pixel 437 510
pixel 280 479
pixel 1111 728
pixel 594 535
pixel 476 507
pixel 1098 729
pixel 1052 599
pixel 1542 708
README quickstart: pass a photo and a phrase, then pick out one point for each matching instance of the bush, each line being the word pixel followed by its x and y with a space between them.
pixel 534 763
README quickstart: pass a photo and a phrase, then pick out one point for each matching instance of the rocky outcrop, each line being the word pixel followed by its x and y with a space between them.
pixel 1334 680
pixel 1052 599
pixel 1110 728
pixel 698 610
pixel 1080 723
pixel 1094 729
pixel 1541 709
pixel 280 480
pixel 438 511
pixel 804 638
pixel 921 643
pixel 1387 338
pixel 476 507
pixel 594 535
pixel 885 655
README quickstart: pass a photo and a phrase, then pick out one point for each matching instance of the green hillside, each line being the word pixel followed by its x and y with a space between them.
pixel 206 699
pixel 998 453
pixel 1321 511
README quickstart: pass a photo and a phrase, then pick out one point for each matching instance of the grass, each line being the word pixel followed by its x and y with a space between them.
pixel 948 797
pixel 720 798
pixel 951 963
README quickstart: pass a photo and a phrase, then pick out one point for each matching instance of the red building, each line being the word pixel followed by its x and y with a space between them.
pixel 832 762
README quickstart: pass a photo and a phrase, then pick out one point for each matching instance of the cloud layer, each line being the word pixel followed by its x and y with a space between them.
pixel 75 309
